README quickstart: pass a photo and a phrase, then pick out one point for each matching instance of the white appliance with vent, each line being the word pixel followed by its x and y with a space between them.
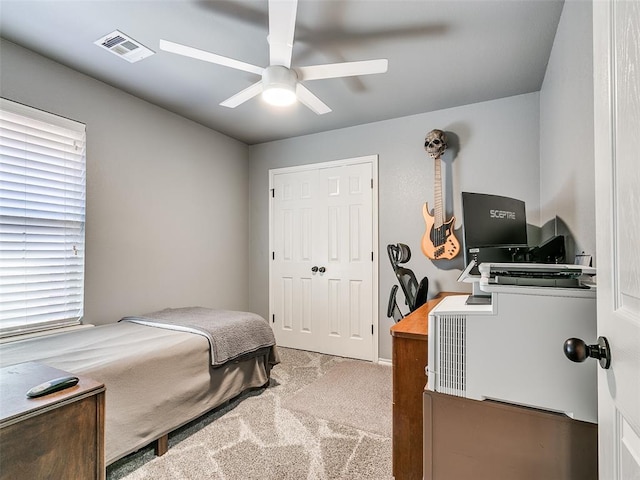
pixel 511 350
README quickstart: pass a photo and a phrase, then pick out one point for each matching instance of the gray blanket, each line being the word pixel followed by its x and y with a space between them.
pixel 231 334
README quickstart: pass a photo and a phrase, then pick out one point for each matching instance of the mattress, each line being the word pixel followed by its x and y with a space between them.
pixel 156 380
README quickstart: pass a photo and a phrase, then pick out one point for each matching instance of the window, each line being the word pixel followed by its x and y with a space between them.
pixel 42 216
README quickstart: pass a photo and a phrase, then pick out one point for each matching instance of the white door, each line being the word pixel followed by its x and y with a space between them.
pixel 617 156
pixel 322 266
pixel 294 215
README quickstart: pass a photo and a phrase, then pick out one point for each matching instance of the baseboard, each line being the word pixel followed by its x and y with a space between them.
pixel 385 361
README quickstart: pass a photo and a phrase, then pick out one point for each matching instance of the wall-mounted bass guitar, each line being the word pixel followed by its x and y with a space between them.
pixel 439 241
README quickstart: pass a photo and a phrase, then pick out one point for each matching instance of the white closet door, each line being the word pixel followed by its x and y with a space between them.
pixel 321 271
pixel 296 320
pixel 345 251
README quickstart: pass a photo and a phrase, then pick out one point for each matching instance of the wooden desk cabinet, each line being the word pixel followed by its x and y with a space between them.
pixel 486 440
pixel 57 436
pixel 409 350
pixel 459 438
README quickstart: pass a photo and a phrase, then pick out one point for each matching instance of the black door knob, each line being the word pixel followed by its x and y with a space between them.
pixel 577 350
pixel 314 269
pixel 322 269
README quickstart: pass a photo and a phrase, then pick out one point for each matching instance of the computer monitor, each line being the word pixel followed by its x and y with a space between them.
pixel 494 229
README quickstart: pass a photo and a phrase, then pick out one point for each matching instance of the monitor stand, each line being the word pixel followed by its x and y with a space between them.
pixel 478 297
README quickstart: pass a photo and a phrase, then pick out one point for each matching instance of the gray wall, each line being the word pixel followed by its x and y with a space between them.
pixel 567 183
pixel 166 198
pixel 494 149
pixel 167 220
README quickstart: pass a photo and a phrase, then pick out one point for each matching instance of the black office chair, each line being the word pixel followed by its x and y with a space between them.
pixel 415 294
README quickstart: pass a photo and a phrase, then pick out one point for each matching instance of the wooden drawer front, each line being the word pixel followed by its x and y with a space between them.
pixel 62 443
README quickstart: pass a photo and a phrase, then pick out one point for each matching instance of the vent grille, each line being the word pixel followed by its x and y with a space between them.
pixel 452 355
pixel 123 46
pixel 115 40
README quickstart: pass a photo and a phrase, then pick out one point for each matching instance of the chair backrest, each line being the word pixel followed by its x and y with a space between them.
pixel 409 284
pixel 415 293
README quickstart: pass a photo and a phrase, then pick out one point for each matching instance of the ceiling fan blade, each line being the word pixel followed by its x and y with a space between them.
pixel 243 96
pixel 179 49
pixel 347 69
pixel 310 100
pixel 282 25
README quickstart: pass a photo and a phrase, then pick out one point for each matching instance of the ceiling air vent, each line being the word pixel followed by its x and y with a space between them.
pixel 123 46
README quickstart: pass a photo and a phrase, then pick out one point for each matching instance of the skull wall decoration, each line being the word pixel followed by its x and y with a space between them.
pixel 435 143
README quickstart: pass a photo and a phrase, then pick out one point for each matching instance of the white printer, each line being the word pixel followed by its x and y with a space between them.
pixel 509 347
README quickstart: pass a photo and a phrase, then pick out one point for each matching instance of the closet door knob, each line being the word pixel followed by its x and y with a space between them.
pixel 314 269
pixel 322 269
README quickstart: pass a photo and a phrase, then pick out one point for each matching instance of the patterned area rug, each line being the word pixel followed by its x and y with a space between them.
pixel 256 437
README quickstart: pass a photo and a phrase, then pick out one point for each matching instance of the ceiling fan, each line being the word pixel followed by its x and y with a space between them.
pixel 281 84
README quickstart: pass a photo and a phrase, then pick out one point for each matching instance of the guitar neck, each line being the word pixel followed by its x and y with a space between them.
pixel 438 217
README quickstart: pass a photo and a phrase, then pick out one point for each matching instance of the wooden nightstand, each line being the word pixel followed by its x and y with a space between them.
pixel 57 436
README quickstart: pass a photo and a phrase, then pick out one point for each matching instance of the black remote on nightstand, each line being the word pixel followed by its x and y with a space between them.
pixel 52 386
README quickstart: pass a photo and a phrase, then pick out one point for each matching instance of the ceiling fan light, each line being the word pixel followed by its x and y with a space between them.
pixel 279 96
pixel 279 86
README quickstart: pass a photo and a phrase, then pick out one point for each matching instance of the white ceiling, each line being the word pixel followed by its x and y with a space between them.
pixel 441 54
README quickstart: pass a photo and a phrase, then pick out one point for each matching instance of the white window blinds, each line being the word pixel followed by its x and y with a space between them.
pixel 42 216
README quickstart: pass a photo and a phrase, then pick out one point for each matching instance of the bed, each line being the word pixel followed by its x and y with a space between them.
pixel 157 377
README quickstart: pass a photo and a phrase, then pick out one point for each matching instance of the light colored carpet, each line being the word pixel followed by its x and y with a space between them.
pixel 258 437
pixel 352 393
